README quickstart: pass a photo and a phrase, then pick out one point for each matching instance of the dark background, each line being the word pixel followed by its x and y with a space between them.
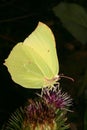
pixel 18 18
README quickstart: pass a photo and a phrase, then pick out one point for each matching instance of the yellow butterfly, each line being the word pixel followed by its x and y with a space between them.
pixel 34 62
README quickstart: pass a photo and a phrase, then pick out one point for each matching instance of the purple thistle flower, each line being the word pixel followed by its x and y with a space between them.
pixel 38 112
pixel 46 112
pixel 56 98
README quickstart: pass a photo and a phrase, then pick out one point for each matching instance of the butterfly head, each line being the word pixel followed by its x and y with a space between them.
pixel 52 81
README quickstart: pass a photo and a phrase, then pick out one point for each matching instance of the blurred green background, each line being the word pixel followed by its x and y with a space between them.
pixel 68 21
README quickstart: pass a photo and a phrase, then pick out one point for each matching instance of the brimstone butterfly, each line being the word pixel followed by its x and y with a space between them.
pixel 34 62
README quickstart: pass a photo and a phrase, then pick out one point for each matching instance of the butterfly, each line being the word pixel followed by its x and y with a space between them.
pixel 33 63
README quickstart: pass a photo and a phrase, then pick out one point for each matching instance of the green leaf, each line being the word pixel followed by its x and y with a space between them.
pixel 74 19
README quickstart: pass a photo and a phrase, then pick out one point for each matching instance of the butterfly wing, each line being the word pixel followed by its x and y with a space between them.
pixel 34 59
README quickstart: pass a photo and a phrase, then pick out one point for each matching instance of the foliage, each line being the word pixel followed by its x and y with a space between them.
pixel 74 19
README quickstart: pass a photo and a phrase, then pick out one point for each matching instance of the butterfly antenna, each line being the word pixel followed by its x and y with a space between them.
pixel 67 77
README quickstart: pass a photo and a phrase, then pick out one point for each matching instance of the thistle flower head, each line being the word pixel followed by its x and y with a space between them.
pixel 40 115
pixel 46 113
pixel 56 98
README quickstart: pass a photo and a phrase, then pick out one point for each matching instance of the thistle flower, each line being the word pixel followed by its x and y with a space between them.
pixel 48 112
pixel 56 98
pixel 39 116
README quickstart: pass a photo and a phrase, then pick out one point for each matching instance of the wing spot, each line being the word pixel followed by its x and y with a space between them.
pixel 30 62
pixel 48 50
